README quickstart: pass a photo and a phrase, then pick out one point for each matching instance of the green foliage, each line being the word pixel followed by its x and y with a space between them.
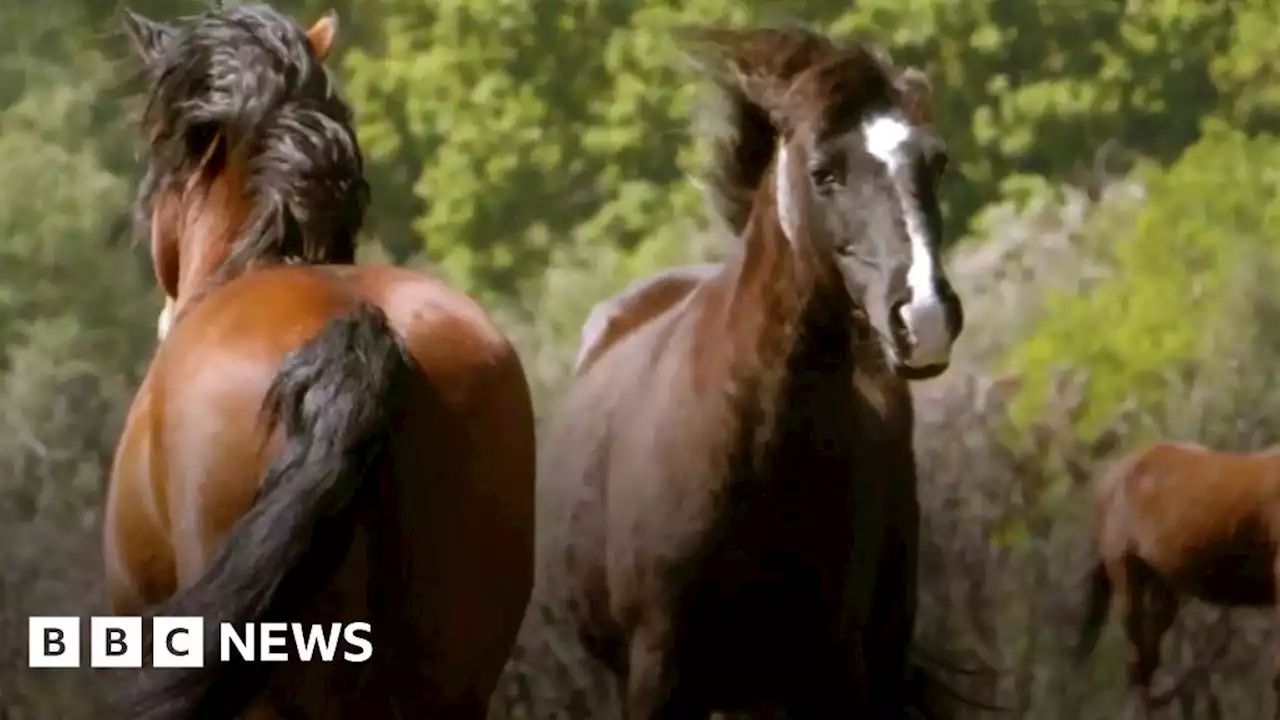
pixel 520 125
pixel 1204 237
pixel 506 128
pixel 57 207
pixel 1250 71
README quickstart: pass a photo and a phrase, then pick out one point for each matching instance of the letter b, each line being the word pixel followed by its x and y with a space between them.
pixel 53 642
pixel 115 642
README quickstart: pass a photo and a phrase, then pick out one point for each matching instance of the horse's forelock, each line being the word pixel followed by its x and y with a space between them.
pixel 841 89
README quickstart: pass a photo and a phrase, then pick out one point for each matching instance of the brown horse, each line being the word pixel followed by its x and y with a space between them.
pixel 1179 519
pixel 728 499
pixel 313 441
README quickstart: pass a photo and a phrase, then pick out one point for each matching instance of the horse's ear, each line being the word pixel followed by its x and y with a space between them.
pixel 917 95
pixel 321 34
pixel 148 37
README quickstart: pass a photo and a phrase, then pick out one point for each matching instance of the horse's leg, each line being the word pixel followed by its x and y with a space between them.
pixel 840 693
pixel 1161 605
pixel 893 612
pixel 654 689
pixel 454 547
pixel 1275 679
pixel 1131 594
pixel 261 710
pixel 1275 685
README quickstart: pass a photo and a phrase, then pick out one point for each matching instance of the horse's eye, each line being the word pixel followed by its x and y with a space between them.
pixel 824 177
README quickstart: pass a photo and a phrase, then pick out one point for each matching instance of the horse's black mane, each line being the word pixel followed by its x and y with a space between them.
pixel 247 72
pixel 739 157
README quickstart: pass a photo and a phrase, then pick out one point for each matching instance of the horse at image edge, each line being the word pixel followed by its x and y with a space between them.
pixel 314 441
pixel 1178 520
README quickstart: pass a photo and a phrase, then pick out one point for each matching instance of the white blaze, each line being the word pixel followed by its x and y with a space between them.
pixel 788 213
pixel 166 319
pixel 925 317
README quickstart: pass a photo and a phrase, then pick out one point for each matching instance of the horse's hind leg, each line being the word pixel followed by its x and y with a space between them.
pixel 1129 597
pixel 455 565
pixel 1147 610
pixel 1161 610
pixel 1275 680
pixel 1275 685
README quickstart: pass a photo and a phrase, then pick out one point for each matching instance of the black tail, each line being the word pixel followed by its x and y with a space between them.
pixel 1099 608
pixel 334 400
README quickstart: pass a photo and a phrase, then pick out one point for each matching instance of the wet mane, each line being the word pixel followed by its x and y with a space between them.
pixel 241 85
pixel 769 79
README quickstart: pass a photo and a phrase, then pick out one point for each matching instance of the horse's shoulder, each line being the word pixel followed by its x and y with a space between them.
pixel 613 318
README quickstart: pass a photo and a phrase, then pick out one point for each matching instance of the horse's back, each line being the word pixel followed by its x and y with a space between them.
pixel 1190 470
pixel 267 314
pixel 1185 509
pixel 220 360
pixel 628 402
pixel 640 302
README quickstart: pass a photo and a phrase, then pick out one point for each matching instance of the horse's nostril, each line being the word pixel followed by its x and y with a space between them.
pixel 898 328
pixel 955 314
pixel 952 306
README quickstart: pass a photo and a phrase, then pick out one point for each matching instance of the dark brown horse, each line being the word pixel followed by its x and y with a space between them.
pixel 314 441
pixel 1177 520
pixel 728 499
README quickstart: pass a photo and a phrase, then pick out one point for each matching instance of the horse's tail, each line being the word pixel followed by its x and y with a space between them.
pixel 1096 612
pixel 334 401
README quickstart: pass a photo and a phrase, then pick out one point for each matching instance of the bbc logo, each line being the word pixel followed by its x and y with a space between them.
pixel 179 642
pixel 115 642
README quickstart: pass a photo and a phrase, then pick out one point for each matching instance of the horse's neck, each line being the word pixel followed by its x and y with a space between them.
pixel 209 228
pixel 777 285
pixel 796 332
pixel 780 321
pixel 199 265
pixel 211 266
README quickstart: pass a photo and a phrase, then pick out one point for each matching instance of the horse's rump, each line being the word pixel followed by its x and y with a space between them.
pixel 333 402
pixel 360 423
